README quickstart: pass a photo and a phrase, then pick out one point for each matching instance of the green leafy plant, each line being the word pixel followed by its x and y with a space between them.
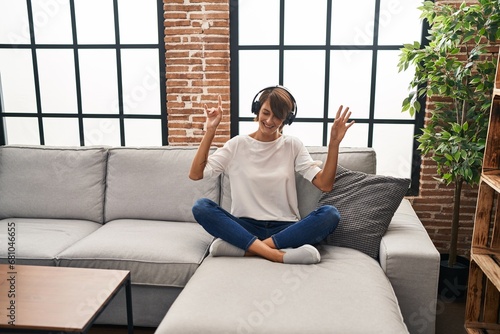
pixel 456 71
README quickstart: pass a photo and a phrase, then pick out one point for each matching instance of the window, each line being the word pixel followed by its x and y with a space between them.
pixel 82 72
pixel 328 53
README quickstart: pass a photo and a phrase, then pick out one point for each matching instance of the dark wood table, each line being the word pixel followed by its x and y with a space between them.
pixel 58 299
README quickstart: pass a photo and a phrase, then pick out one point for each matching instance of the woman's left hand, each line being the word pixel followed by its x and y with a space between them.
pixel 340 125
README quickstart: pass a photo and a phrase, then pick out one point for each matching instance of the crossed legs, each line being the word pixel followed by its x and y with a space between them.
pixel 290 243
pixel 266 249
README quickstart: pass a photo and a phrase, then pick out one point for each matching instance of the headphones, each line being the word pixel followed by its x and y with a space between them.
pixel 291 114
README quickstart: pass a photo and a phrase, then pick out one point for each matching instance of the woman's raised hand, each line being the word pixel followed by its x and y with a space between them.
pixel 214 116
pixel 340 125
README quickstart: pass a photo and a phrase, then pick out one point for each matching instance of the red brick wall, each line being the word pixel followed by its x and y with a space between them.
pixel 434 207
pixel 197 66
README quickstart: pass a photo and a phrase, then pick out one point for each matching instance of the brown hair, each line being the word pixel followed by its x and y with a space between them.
pixel 280 101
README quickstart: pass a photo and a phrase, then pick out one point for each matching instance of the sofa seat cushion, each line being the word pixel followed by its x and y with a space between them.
pixel 156 252
pixel 347 292
pixel 38 241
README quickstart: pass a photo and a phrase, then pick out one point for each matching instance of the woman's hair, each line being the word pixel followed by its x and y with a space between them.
pixel 280 101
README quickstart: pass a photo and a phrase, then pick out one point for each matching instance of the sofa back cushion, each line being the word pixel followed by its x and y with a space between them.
pixel 358 159
pixel 153 183
pixel 52 182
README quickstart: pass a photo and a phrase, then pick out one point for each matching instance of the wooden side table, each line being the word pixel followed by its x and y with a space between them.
pixel 58 299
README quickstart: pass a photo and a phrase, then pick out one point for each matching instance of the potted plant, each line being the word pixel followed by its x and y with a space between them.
pixel 457 72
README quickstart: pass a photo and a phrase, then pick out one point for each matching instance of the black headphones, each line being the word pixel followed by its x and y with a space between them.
pixel 291 115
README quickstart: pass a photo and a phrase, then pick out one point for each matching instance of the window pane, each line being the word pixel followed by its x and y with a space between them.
pixel 311 134
pixel 399 22
pixel 61 131
pixel 350 25
pixel 257 26
pixel 141 81
pixel 258 69
pixel 95 21
pixel 14 28
pixel 17 82
pixel 98 81
pixel 247 128
pixel 394 146
pixel 350 82
pixel 20 130
pixel 305 22
pixel 142 132
pixel 102 131
pixel 356 136
pixel 52 22
pixel 305 77
pixel 391 87
pixel 138 22
pixel 56 71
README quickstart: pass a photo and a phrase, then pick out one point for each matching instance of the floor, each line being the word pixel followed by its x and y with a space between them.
pixel 97 329
pixel 450 317
pixel 450 320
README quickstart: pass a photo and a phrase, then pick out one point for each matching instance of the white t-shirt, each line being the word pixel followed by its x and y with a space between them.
pixel 262 175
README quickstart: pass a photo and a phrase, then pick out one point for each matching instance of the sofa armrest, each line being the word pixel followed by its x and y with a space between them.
pixel 411 262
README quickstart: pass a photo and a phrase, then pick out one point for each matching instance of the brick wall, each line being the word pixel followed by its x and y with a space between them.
pixel 434 207
pixel 197 66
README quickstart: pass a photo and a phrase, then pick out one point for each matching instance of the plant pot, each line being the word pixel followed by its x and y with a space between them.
pixel 453 280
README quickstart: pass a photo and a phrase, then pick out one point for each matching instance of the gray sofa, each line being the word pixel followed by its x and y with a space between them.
pixel 130 208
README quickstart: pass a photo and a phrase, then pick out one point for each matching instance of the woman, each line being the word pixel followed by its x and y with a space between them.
pixel 264 218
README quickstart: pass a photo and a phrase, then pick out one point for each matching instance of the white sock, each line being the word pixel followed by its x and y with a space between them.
pixel 305 254
pixel 223 248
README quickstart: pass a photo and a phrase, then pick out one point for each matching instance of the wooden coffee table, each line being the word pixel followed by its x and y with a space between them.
pixel 58 299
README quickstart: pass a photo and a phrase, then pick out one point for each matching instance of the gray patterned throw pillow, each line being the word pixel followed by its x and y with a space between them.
pixel 366 203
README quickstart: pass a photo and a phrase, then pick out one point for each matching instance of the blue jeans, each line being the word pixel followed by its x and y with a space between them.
pixel 242 232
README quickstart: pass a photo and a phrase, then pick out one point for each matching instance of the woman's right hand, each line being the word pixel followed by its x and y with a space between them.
pixel 214 116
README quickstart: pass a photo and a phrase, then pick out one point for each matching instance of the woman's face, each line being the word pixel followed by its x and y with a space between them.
pixel 269 124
